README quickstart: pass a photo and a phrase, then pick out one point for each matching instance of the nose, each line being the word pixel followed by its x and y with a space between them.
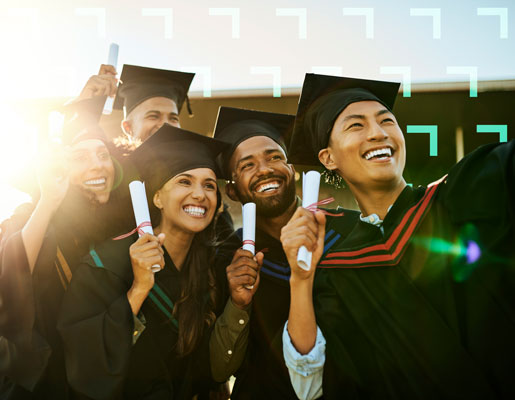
pixel 263 168
pixel 376 132
pixel 198 192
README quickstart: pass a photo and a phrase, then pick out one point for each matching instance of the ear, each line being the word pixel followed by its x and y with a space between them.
pixel 127 127
pixel 231 192
pixel 157 200
pixel 326 158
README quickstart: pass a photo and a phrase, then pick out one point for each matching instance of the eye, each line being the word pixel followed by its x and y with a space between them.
pixel 104 155
pixel 79 158
pixel 355 125
pixel 152 116
pixel 276 157
pixel 247 166
pixel 174 118
pixel 184 181
pixel 210 186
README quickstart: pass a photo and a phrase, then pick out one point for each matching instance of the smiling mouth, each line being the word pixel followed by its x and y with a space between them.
pixel 268 187
pixel 195 211
pixel 97 183
pixel 382 154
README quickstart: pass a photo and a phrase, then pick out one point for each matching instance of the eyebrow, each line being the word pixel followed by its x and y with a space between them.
pixel 160 112
pixel 192 177
pixel 267 152
pixel 360 116
pixel 99 147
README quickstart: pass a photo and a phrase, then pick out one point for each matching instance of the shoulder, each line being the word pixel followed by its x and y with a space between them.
pixel 341 219
pixel 113 256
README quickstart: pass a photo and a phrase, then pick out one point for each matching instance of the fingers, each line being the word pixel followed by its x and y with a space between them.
pixel 161 237
pixel 107 69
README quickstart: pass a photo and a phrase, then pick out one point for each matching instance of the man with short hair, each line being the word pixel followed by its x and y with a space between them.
pixel 258 170
pixel 417 301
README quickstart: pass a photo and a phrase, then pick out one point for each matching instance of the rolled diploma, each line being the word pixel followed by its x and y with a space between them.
pixel 112 59
pixel 249 229
pixel 310 188
pixel 140 207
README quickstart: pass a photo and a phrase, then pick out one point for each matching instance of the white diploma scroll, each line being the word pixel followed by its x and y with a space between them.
pixel 249 229
pixel 112 59
pixel 310 188
pixel 141 212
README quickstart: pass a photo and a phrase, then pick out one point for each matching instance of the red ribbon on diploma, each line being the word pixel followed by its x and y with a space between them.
pixel 314 207
pixel 137 229
pixel 249 242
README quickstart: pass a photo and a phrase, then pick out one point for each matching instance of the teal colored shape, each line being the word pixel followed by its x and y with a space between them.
pixel 501 129
pixel 433 136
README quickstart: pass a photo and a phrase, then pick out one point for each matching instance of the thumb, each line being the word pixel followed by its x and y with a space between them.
pixel 161 238
pixel 259 258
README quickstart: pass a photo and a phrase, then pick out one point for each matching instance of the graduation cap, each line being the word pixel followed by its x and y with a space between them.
pixel 322 99
pixel 81 120
pixel 235 125
pixel 141 83
pixel 171 151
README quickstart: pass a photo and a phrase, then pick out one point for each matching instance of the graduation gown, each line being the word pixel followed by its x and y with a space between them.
pixel 263 373
pixel 426 310
pixel 32 357
pixel 97 326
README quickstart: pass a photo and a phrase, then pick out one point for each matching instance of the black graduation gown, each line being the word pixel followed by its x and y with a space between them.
pixel 32 365
pixel 420 313
pixel 32 357
pixel 97 324
pixel 263 374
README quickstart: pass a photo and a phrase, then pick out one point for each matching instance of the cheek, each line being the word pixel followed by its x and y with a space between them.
pixel 76 174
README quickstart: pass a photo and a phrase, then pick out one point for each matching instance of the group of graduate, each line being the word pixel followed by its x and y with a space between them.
pixel 411 297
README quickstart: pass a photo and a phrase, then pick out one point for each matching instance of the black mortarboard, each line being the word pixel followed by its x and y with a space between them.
pixel 234 125
pixel 171 151
pixel 141 83
pixel 81 120
pixel 323 98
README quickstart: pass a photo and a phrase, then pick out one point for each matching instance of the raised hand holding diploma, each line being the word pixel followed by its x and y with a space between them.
pixel 112 59
pixel 249 229
pixel 141 212
pixel 310 188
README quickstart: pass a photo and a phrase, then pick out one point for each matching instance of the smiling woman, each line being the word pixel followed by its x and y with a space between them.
pixel 148 332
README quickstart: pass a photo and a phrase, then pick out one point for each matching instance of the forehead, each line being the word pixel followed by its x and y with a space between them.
pixel 162 104
pixel 89 145
pixel 362 108
pixel 199 173
pixel 253 147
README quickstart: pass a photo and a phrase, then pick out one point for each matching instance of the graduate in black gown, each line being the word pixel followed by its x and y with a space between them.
pixel 130 333
pixel 417 300
pixel 256 166
pixel 41 245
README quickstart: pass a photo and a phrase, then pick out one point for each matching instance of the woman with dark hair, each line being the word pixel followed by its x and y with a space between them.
pixel 133 333
pixel 41 244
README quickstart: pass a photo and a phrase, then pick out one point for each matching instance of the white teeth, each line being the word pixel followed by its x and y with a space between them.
pixel 267 186
pixel 379 152
pixel 195 211
pixel 99 181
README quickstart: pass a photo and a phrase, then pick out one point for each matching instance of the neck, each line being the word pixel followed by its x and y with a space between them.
pixel 272 226
pixel 177 242
pixel 377 200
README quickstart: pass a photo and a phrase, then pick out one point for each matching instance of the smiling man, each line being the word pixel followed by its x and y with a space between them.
pixel 417 300
pixel 151 97
pixel 257 168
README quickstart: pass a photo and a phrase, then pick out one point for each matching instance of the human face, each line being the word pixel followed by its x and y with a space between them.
pixel 360 130
pixel 188 200
pixel 92 169
pixel 262 175
pixel 149 116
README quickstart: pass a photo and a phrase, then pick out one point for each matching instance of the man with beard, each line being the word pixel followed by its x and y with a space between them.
pixel 256 166
pixel 40 246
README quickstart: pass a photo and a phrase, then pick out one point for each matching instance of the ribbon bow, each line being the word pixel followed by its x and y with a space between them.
pixel 137 229
pixel 314 207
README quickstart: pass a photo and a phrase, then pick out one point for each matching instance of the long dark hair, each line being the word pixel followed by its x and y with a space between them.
pixel 194 310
